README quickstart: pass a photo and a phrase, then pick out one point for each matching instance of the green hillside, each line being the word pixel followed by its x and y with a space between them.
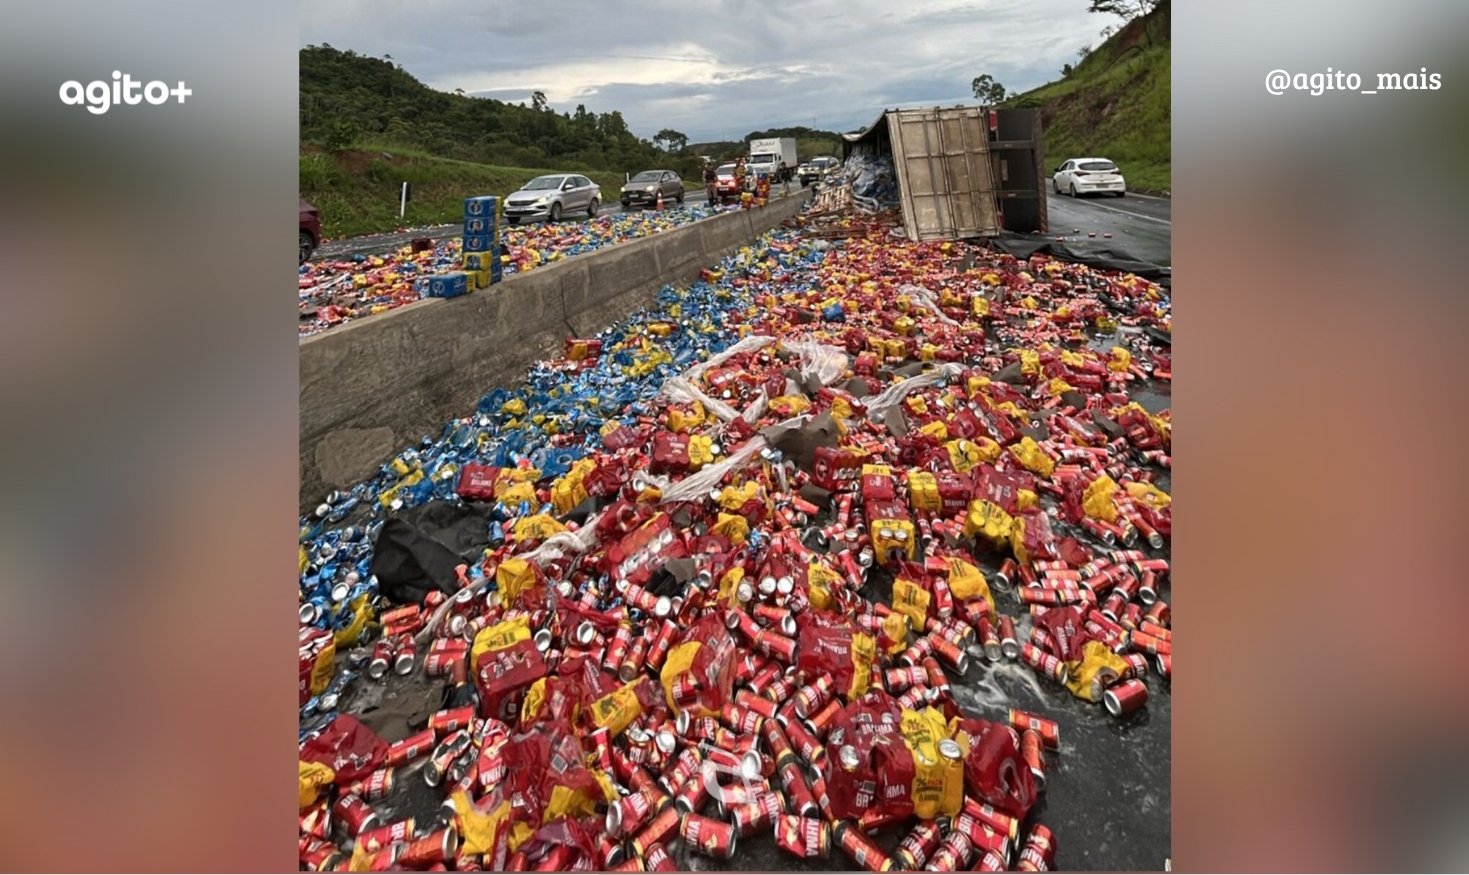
pixel 367 126
pixel 1115 104
pixel 357 190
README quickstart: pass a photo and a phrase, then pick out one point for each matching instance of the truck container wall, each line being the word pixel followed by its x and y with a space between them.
pixel 942 160
pixel 962 171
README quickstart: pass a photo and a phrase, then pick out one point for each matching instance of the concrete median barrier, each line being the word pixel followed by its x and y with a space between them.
pixel 370 388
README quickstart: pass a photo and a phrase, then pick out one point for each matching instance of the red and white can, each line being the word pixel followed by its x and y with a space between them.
pixel 376 786
pixel 388 834
pixel 663 826
pixel 896 680
pixel 355 814
pixel 751 701
pixel 1044 663
pixel 693 794
pixel 805 837
pixel 656 859
pixel 953 854
pixel 404 655
pixel 814 696
pixel 1039 853
pixel 758 814
pixel 712 838
pixel 822 720
pixel 444 722
pixel 443 663
pixel 434 848
pixel 861 849
pixel 1030 751
pixel 1126 697
pixel 805 742
pixel 798 793
pixel 1009 644
pixel 919 844
pixel 628 814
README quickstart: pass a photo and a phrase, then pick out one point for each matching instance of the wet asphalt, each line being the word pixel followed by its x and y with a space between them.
pixel 1140 224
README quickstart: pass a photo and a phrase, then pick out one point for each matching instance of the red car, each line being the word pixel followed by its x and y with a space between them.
pixel 726 186
pixel 310 230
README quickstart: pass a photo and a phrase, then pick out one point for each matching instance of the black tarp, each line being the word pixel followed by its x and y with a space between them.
pixel 1105 256
pixel 418 548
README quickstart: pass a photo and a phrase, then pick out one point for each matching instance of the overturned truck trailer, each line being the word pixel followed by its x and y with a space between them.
pixel 961 171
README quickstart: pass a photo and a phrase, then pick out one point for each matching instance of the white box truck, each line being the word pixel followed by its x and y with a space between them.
pixel 774 157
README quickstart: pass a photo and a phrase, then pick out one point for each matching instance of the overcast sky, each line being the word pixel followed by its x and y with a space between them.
pixel 715 69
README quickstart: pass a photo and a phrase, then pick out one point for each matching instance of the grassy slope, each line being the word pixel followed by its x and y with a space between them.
pixel 357 191
pixel 1115 104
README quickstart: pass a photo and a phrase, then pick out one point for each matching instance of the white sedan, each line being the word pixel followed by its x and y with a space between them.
pixel 1086 175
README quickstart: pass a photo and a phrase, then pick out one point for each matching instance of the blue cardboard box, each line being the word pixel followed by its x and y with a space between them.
pixel 484 205
pixel 481 225
pixel 481 242
pixel 448 285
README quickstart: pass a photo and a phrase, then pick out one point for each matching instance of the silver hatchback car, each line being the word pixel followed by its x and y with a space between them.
pixel 550 197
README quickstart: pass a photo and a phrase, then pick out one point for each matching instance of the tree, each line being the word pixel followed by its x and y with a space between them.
pixel 1083 52
pixel 987 90
pixel 538 101
pixel 342 135
pixel 670 140
pixel 1067 69
pixel 1127 9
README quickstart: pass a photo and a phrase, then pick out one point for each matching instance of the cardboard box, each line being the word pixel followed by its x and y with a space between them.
pixel 448 285
pixel 484 205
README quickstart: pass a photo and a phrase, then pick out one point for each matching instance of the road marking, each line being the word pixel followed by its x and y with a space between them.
pixel 1130 213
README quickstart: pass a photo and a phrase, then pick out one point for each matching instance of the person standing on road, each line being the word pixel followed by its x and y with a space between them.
pixel 740 174
pixel 711 176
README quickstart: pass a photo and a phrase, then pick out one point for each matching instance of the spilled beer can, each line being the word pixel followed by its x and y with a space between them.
pixel 712 838
pixel 805 837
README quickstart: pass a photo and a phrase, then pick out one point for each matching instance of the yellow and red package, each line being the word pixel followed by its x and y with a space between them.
pixel 912 600
pixel 830 648
pixel 988 520
pixel 938 764
pixel 923 491
pixel 1029 453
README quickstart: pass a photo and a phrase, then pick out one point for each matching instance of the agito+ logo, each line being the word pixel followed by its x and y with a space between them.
pixel 99 96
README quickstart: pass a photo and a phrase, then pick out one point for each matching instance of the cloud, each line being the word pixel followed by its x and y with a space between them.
pixel 715 69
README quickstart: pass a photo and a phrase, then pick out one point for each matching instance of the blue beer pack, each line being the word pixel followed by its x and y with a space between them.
pixel 483 206
pixel 448 285
pixel 481 225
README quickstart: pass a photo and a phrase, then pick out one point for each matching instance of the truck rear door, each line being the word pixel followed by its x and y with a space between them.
pixel 943 165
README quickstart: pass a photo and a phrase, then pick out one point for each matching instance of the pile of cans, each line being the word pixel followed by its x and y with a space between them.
pixel 330 292
pixel 743 549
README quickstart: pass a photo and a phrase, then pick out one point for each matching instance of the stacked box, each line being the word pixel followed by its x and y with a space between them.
pixel 484 206
pixel 479 224
pixel 448 285
pixel 478 261
pixel 482 239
